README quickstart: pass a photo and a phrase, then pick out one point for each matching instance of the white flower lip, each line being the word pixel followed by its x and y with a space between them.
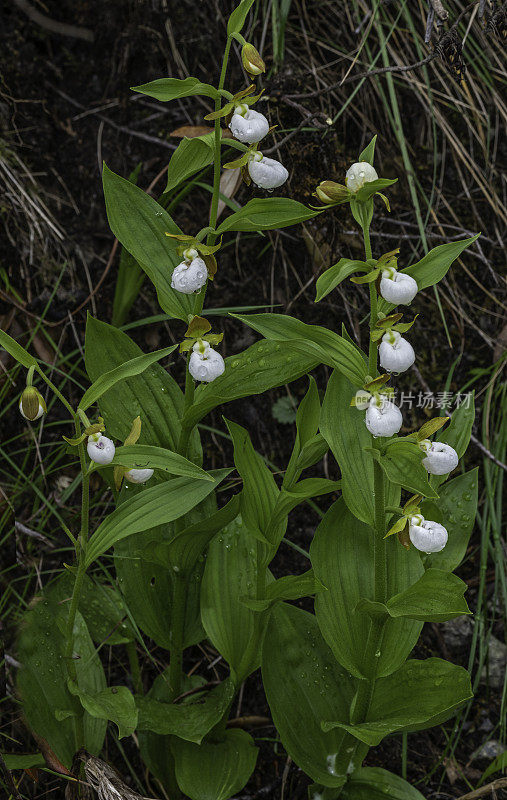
pixel 440 458
pixel 267 173
pixel 138 475
pixel 383 420
pixel 189 277
pixel 205 366
pixel 100 449
pixel 429 537
pixel 358 174
pixel 400 288
pixel 250 127
pixel 397 356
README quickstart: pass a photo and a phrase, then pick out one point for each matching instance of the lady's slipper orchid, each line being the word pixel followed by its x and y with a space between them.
pixel 440 458
pixel 191 274
pixel 427 536
pixel 383 418
pixel 205 364
pixel 397 287
pixel 266 172
pixel 100 449
pixel 358 174
pixel 247 125
pixel 32 404
pixel 396 354
pixel 138 475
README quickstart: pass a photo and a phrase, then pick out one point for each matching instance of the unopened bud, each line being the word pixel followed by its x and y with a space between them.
pixel 32 404
pixel 331 192
pixel 251 59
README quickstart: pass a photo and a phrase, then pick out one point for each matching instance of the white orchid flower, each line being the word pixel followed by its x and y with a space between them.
pixel 247 125
pixel 138 475
pixel 440 458
pixel 191 274
pixel 205 364
pixel 427 536
pixel 266 172
pixel 358 174
pixel 397 287
pixel 395 353
pixel 100 449
pixel 383 417
pixel 32 404
pixel 362 399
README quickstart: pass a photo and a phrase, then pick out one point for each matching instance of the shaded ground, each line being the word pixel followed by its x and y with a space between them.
pixel 65 105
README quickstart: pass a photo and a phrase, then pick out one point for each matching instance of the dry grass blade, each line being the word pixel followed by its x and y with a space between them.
pixel 106 782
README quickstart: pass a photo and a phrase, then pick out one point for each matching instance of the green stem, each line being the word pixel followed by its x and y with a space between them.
pixel 217 149
pixel 177 633
pixel 135 669
pixel 372 348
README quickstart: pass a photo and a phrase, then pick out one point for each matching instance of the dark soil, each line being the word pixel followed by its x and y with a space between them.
pixel 66 105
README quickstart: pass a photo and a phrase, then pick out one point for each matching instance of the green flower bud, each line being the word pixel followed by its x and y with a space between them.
pixel 251 59
pixel 330 192
pixel 32 404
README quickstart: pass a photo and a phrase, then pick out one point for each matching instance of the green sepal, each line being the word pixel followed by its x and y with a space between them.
pixel 222 112
pixel 385 199
pixel 398 527
pixel 430 427
pixel 197 327
pixel 403 327
pixel 389 321
pixel 239 162
pixel 376 384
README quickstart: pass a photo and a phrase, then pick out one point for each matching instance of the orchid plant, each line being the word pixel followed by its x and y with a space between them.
pixel 189 567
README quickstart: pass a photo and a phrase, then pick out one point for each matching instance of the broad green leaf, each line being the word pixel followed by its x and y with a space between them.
pixel 130 368
pixel 215 770
pixel 184 550
pixel 329 347
pixel 419 695
pixel 155 749
pixel 260 367
pixel 129 278
pixel 16 351
pixel 154 396
pixel 155 505
pixel 436 597
pixel 141 224
pixel 190 156
pixel 145 456
pixel 41 678
pixel 267 214
pixel 307 425
pixel 116 703
pixel 238 16
pixel 102 608
pixel 340 552
pixel 368 154
pixel 345 431
pixel 402 464
pixel 260 492
pixel 334 275
pixel 22 761
pixel 435 264
pixel 304 685
pixel 312 452
pixel 290 587
pixel 190 720
pixel 165 89
pixel 375 783
pixel 457 507
pixel 231 573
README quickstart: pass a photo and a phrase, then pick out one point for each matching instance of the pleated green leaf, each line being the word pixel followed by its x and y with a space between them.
pixel 156 505
pixel 116 703
pixel 455 509
pixel 375 783
pixel 16 351
pixel 345 431
pixel 141 224
pixel 419 695
pixel 215 770
pixel 260 367
pixel 143 456
pixel 166 89
pixel 190 156
pixel 267 214
pixel 341 552
pixel 304 686
pixel 190 720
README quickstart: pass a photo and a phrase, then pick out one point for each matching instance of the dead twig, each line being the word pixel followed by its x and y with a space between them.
pixel 492 787
pixel 52 25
